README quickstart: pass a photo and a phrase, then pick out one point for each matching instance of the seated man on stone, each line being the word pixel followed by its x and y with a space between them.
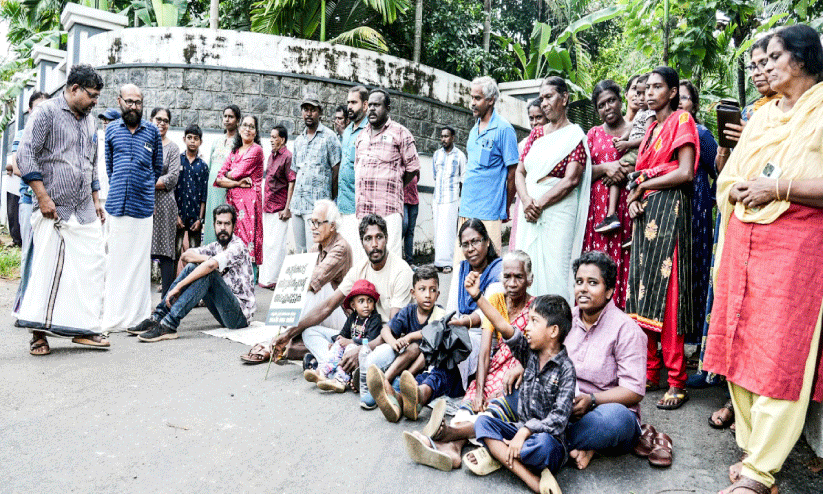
pixel 334 259
pixel 220 274
pixel 386 270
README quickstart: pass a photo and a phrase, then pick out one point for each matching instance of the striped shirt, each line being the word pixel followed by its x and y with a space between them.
pixel 449 169
pixel 60 150
pixel 134 163
pixel 381 161
pixel 313 160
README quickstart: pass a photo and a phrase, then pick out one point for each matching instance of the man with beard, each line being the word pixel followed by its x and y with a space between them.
pixel 356 102
pixel 58 160
pixel 134 162
pixel 386 270
pixel 317 160
pixel 220 274
pixel 386 161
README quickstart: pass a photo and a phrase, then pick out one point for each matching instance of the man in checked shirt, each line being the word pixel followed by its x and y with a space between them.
pixel 58 159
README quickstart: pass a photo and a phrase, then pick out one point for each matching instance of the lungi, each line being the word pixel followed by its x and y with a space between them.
pixel 275 237
pixel 445 232
pixel 128 272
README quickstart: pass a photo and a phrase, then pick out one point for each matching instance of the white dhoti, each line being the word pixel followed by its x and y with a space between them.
pixel 394 225
pixel 350 230
pixel 128 272
pixel 445 232
pixel 275 237
pixel 64 294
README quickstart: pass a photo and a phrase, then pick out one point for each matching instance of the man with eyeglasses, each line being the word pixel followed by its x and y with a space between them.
pixel 57 157
pixel 134 163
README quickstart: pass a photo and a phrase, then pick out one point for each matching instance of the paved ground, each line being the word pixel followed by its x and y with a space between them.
pixel 186 416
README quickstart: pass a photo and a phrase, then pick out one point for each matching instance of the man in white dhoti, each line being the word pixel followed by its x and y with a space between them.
pixel 449 167
pixel 58 160
pixel 279 189
pixel 134 162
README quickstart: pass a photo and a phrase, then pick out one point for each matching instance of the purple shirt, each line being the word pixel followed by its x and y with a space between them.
pixel 611 353
pixel 278 176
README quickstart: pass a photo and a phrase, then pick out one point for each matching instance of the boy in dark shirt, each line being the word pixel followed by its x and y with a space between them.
pixel 191 190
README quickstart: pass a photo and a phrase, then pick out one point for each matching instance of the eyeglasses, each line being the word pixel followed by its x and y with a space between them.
pixel 92 96
pixel 248 126
pixel 131 102
pixel 685 98
pixel 316 223
pixel 474 243
pixel 761 65
pixel 161 120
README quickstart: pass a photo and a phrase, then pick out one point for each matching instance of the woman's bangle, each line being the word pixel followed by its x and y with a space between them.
pixel 470 320
pixel 777 190
pixel 789 191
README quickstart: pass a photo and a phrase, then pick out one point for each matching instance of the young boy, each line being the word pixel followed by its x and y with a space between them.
pixel 401 336
pixel 190 192
pixel 362 326
pixel 628 144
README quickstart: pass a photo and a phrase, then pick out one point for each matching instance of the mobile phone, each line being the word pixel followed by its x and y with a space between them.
pixel 727 114
pixel 771 171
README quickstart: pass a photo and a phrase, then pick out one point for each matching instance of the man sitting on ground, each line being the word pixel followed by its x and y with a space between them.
pixel 220 274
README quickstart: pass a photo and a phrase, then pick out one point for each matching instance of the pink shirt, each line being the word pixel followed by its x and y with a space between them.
pixel 611 353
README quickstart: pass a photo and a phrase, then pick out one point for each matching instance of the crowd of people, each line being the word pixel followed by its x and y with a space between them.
pixel 614 260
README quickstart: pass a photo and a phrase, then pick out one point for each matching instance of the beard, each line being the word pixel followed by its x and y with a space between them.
pixel 132 117
pixel 223 238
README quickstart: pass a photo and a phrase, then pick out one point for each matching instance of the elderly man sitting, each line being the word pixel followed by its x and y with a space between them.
pixel 334 259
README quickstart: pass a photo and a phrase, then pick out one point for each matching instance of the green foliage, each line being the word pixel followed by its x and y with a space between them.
pixel 9 262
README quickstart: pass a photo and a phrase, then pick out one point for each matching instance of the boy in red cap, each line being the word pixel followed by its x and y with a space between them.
pixel 363 325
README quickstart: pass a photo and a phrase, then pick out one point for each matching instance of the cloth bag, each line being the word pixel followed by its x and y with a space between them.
pixel 445 345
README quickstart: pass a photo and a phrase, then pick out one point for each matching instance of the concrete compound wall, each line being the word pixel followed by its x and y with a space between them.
pixel 197 72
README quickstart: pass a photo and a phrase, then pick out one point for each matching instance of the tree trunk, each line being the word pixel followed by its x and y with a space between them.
pixel 487 24
pixel 666 32
pixel 214 14
pixel 418 30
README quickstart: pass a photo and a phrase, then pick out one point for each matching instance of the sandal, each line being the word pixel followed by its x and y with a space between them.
pixel 408 390
pixel 723 423
pixel 680 397
pixel 548 484
pixel 484 462
pixel 752 485
pixel 258 354
pixel 661 455
pixel 96 340
pixel 645 444
pixel 426 454
pixel 39 346
pixel 437 423
pixel 447 270
pixel 387 403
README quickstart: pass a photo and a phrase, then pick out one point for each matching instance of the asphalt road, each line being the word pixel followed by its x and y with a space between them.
pixel 186 416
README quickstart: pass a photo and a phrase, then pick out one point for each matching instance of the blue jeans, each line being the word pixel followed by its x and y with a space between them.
pixel 212 290
pixel 409 222
pixel 610 429
pixel 541 450
pixel 442 382
pixel 382 356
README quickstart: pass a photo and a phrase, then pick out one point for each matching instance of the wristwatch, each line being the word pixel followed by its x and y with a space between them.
pixel 594 401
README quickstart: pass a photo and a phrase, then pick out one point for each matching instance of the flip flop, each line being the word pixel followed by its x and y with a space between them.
pixel 661 455
pixel 723 423
pixel 436 418
pixel 259 354
pixel 486 463
pixel 408 390
pixel 387 403
pixel 88 341
pixel 548 484
pixel 36 344
pixel 682 397
pixel 426 454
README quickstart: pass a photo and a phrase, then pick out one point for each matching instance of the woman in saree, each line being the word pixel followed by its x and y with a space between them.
pixel 660 267
pixel 242 175
pixel 220 150
pixel 765 326
pixel 536 119
pixel 553 183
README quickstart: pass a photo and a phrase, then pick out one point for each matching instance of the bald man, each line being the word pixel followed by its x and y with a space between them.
pixel 134 163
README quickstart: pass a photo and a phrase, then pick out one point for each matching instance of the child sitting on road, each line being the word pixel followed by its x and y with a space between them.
pixel 401 351
pixel 534 439
pixel 363 325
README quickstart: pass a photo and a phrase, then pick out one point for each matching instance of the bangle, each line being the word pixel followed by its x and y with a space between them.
pixel 776 191
pixel 470 320
pixel 789 191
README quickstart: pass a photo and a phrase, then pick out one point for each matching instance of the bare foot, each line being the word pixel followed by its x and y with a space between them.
pixel 449 448
pixel 582 458
pixel 722 417
pixel 734 471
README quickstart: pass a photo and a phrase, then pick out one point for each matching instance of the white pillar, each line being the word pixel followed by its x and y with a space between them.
pixel 83 22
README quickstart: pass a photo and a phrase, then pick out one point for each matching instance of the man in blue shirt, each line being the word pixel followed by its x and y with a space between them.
pixel 356 102
pixel 134 163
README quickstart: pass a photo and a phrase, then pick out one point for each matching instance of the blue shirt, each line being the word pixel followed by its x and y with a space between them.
pixel 191 189
pixel 405 321
pixel 134 163
pixel 25 190
pixel 489 154
pixel 345 178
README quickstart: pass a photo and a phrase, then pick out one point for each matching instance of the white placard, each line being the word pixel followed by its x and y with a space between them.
pixel 289 294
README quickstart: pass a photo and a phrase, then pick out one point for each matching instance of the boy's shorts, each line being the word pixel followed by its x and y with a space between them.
pixel 539 451
pixel 442 382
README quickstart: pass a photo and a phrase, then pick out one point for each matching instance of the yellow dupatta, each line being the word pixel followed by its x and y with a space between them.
pixel 792 140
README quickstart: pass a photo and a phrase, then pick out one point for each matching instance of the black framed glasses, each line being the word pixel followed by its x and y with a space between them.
pixel 316 223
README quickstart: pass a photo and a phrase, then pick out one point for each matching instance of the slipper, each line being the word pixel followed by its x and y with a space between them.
pixel 548 484
pixel 408 390
pixel 426 454
pixel 645 444
pixel 89 341
pixel 258 354
pixel 661 455
pixel 436 418
pixel 753 485
pixel 681 397
pixel 37 344
pixel 387 403
pixel 486 463
pixel 447 270
pixel 723 423
pixel 313 376
pixel 332 385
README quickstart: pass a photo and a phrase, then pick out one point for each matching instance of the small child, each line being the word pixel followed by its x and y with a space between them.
pixel 363 324
pixel 402 334
pixel 628 144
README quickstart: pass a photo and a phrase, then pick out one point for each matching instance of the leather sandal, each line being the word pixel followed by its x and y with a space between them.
pixel 645 444
pixel 661 455
pixel 753 485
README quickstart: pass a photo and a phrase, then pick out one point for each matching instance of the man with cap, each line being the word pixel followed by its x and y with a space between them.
pixel 110 115
pixel 316 159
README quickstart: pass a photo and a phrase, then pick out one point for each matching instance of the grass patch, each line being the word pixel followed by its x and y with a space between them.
pixel 9 262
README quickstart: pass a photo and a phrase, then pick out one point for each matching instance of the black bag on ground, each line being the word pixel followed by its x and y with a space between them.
pixel 445 345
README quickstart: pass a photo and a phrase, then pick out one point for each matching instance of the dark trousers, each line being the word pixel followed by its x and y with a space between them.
pixel 167 272
pixel 12 206
pixel 409 222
